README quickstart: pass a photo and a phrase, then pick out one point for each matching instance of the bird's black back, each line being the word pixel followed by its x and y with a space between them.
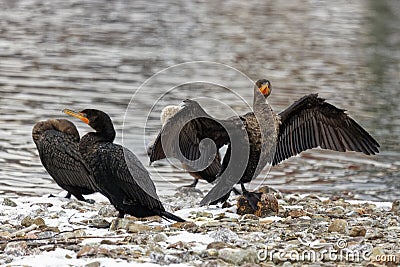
pixel 123 179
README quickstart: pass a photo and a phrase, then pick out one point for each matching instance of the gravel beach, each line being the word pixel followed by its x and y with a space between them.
pixel 308 230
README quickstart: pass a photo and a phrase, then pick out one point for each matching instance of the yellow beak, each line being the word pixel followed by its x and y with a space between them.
pixel 264 89
pixel 78 115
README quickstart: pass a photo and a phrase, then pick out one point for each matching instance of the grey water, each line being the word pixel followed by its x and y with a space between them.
pixel 132 58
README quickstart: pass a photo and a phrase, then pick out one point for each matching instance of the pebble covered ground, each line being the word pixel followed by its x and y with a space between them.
pixel 306 230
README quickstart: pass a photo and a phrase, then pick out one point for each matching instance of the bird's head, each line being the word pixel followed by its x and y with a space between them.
pixel 95 118
pixel 264 86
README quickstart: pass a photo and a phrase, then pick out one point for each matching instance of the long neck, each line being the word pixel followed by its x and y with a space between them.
pixel 268 126
pixel 107 134
pixel 259 101
pixel 92 138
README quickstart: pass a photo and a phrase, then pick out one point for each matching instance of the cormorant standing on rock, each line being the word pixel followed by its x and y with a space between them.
pixel 309 122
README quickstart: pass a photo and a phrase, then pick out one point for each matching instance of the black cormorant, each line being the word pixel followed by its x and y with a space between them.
pixel 309 122
pixel 57 142
pixel 118 173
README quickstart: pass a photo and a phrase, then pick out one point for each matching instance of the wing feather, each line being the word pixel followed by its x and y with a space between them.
pixel 311 122
pixel 61 158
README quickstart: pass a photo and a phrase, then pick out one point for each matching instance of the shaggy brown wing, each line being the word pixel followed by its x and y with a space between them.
pixel 311 122
pixel 61 158
pixel 183 133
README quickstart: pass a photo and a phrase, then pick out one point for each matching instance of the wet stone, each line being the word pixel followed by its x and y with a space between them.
pixel 39 221
pixel 108 211
pixel 220 216
pixel 43 205
pixel 229 219
pixel 73 234
pixel 249 219
pixel 267 206
pixel 185 225
pixel 292 198
pixel 203 214
pixel 47 234
pixel 98 223
pixel 163 259
pixel 129 225
pixel 396 207
pixel 241 243
pixel 138 228
pixel 358 231
pixel 93 264
pixel 179 245
pixel 219 245
pixel 138 239
pixel 5 234
pixel 224 235
pixel 336 211
pixel 269 190
pixel 339 226
pixel 26 221
pixel 73 204
pixel 296 213
pixel 215 263
pixel 16 249
pixel 9 202
pixel 238 256
pixel 160 237
pixel 89 251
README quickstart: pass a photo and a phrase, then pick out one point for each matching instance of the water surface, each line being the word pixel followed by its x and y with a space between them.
pixel 80 54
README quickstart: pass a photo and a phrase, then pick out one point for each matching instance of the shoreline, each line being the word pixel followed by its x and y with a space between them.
pixel 307 230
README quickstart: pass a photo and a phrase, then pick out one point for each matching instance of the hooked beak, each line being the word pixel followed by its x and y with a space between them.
pixel 264 89
pixel 79 115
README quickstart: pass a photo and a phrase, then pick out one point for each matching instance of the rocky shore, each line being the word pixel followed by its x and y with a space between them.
pixel 306 230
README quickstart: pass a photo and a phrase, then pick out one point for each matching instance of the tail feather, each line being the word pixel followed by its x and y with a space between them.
pixel 168 215
pixel 217 193
pixel 221 199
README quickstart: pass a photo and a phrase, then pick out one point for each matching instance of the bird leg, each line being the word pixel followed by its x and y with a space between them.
pixel 252 197
pixel 193 184
pixel 237 192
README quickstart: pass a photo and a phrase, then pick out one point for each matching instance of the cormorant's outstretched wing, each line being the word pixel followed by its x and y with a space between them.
pixel 60 156
pixel 311 122
pixel 182 134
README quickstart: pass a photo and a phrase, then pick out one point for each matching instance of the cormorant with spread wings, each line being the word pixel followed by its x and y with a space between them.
pixel 308 123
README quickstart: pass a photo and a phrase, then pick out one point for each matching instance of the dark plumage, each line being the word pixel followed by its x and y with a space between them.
pixel 308 123
pixel 210 173
pixel 311 122
pixel 118 174
pixel 57 142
